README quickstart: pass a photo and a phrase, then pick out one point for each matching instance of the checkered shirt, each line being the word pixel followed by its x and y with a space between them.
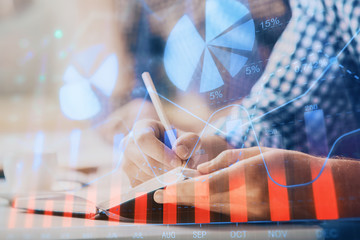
pixel 311 66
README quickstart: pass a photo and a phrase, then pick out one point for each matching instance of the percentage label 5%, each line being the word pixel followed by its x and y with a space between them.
pixel 215 95
pixel 252 69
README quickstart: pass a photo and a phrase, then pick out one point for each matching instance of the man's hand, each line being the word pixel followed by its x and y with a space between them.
pixel 146 156
pixel 249 164
pixel 217 173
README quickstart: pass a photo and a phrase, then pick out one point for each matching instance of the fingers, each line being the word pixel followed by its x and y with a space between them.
pixel 253 151
pixel 143 162
pixel 146 136
pixel 217 197
pixel 229 157
pixel 218 202
pixel 184 194
pixel 145 153
pixel 254 186
pixel 223 160
pixel 186 145
pixel 186 191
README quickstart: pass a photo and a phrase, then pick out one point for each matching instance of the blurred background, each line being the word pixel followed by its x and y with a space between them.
pixel 41 40
pixel 70 72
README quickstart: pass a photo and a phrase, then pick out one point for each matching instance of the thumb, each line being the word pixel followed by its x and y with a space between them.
pixel 186 145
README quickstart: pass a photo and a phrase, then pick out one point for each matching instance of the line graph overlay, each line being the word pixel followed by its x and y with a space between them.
pixel 258 144
pixel 265 164
pixel 333 60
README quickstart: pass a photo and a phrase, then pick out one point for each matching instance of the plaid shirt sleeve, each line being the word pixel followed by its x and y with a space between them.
pixel 304 69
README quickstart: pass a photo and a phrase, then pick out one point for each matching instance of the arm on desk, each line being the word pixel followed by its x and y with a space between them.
pixel 250 166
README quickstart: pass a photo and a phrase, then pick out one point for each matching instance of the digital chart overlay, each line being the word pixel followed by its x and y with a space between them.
pixel 78 100
pixel 229 38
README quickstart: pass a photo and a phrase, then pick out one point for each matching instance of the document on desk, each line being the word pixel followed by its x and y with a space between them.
pixel 99 201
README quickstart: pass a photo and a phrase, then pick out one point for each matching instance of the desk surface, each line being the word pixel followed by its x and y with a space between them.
pixel 15 224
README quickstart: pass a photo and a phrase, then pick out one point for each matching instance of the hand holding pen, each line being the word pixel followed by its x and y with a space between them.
pixel 145 154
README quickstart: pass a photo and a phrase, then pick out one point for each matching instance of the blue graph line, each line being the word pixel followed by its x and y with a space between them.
pixel 196 144
pixel 256 138
pixel 331 62
pixel 322 168
pixel 190 113
pixel 267 170
pixel 261 153
pixel 348 43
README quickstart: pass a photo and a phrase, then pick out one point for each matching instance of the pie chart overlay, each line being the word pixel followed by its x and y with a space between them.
pixel 78 101
pixel 229 38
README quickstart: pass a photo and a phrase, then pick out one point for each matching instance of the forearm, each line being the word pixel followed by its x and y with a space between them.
pixel 347 186
pixel 336 180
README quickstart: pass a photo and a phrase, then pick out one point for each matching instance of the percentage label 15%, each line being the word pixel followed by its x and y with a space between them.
pixel 269 23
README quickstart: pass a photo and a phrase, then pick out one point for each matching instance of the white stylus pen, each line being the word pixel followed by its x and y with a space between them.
pixel 158 107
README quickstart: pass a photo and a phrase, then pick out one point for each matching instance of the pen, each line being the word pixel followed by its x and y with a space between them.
pixel 149 84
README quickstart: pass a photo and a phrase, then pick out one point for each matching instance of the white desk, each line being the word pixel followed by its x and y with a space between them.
pixel 15 224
